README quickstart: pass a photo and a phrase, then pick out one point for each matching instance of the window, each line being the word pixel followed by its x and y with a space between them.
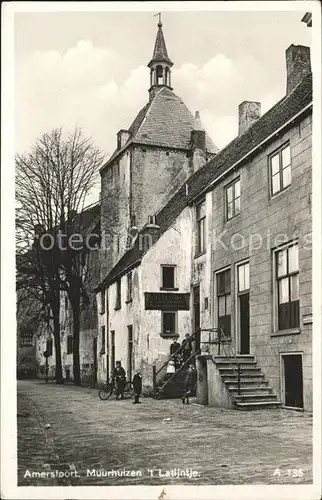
pixel 49 346
pixel 102 301
pixel 287 277
pixel 118 294
pixel 69 344
pixel 232 199
pixel 102 339
pixel 116 170
pixel 26 339
pixel 129 287
pixel 280 170
pixel 168 323
pixel 243 278
pixel 168 278
pixel 224 301
pixel 201 228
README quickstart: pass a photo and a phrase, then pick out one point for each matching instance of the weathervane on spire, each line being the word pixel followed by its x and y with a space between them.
pixel 159 23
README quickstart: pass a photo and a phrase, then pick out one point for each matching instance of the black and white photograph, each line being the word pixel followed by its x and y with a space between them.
pixel 161 250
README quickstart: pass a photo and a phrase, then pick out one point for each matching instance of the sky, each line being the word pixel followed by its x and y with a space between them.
pixel 90 68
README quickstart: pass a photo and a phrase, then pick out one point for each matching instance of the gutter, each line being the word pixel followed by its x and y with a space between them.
pixel 251 152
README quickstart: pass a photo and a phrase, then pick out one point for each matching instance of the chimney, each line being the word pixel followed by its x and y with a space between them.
pixel 198 135
pixel 307 19
pixel 122 138
pixel 248 114
pixel 298 65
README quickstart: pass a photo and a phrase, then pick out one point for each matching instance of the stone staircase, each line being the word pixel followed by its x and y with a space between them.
pixel 255 392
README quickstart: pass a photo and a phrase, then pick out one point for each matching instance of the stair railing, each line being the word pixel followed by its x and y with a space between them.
pixel 231 354
pixel 171 357
pixel 168 380
pixel 224 344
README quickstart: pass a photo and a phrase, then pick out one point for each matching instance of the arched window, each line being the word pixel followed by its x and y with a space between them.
pixel 159 75
pixel 166 76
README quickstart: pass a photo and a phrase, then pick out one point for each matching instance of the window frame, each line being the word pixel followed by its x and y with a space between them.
pixel 232 185
pixel 172 334
pixel 174 267
pixel 103 339
pixel 279 152
pixel 129 290
pixel 118 298
pixel 216 298
pixel 200 222
pixel 277 330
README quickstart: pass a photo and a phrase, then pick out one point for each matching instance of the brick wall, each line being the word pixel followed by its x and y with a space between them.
pixel 156 175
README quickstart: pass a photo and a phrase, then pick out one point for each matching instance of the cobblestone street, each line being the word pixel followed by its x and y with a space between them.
pixel 222 446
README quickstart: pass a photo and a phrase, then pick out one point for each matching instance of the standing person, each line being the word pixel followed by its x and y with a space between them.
pixel 170 369
pixel 174 347
pixel 174 352
pixel 189 383
pixel 120 378
pixel 186 348
pixel 137 386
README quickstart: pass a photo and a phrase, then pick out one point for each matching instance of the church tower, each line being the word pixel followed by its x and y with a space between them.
pixel 160 64
pixel 154 156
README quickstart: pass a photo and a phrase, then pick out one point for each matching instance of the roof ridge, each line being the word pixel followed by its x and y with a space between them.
pixel 283 113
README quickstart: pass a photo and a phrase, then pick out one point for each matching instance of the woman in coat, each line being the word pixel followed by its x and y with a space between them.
pixel 137 386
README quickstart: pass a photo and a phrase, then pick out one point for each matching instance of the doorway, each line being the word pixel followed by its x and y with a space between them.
pixel 196 316
pixel 94 360
pixel 243 307
pixel 293 380
pixel 244 323
pixel 112 349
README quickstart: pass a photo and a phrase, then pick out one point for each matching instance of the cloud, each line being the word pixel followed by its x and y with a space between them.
pixel 86 86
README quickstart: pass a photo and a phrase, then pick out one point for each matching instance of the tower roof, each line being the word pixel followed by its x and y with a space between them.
pixel 165 121
pixel 160 53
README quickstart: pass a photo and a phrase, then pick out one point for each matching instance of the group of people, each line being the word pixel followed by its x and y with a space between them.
pixel 180 354
pixel 119 377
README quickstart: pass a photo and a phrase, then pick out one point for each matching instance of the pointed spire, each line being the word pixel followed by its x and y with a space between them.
pixel 160 53
pixel 197 123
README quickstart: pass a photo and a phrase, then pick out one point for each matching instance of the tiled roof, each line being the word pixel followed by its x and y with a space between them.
pixel 201 180
pixel 165 121
pixel 169 123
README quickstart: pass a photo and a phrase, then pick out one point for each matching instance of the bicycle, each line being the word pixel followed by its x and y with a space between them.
pixel 109 388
